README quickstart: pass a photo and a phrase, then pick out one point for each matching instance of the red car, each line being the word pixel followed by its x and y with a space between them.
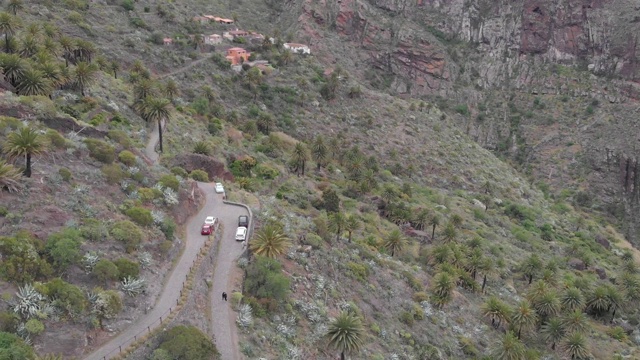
pixel 207 229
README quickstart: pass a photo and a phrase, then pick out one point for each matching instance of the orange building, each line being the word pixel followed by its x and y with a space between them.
pixel 237 55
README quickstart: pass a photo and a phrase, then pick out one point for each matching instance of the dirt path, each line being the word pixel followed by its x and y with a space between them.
pixel 150 149
pixel 225 332
pixel 184 68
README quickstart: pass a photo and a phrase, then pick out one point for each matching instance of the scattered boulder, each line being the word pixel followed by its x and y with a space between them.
pixel 601 273
pixel 603 241
pixel 67 125
pixel 479 204
pixel 214 168
pixel 577 264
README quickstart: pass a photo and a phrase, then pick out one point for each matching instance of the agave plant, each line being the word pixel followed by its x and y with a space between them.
pixel 158 216
pixel 29 302
pixel 132 286
pixel 170 196
pixel 245 316
pixel 90 259
pixel 145 259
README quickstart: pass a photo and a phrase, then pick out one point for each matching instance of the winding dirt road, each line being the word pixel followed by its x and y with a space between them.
pixel 223 322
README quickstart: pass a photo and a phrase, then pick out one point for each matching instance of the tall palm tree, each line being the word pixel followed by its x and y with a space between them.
pixel 254 78
pixel 552 331
pixel 575 346
pixel 547 305
pixel 50 30
pixel 487 268
pixel 531 267
pixel 114 67
pixel 66 43
pixel 270 241
pixel 496 311
pixel 29 46
pixel 8 26
pixel 286 57
pixel 208 93
pixel 10 177
pixel 572 299
pixel 84 50
pixel 449 234
pixel 171 89
pixel 14 6
pixel 337 223
pixel 434 221
pixel 475 262
pixel 615 300
pixel 509 348
pixel 523 317
pixel 34 82
pixel 13 67
pixel 352 224
pixel 51 72
pixel 265 122
pixel 421 219
pixel 346 334
pixel 84 75
pixel 156 109
pixel 24 142
pixel 34 30
pixel 299 158
pixel 575 321
pixel 319 151
pixel 394 241
pixel 442 288
pixel 143 89
pixel 51 46
pixel 598 302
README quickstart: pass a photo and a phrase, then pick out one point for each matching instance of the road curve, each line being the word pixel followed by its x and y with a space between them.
pixel 224 328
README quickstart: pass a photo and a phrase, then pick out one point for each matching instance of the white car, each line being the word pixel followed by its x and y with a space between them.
pixel 210 220
pixel 219 188
pixel 241 234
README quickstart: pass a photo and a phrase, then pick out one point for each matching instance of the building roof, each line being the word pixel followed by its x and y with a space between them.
pixel 295 45
pixel 236 49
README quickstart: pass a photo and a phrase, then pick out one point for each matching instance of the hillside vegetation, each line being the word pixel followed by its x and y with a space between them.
pixel 384 230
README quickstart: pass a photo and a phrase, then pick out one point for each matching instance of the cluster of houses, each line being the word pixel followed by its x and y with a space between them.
pixel 237 55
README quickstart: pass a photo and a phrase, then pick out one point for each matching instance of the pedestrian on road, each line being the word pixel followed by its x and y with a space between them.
pixel 224 296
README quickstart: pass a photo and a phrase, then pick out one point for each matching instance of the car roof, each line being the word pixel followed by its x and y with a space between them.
pixel 241 229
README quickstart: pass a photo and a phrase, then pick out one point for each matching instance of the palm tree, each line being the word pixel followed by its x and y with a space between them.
pixel 34 82
pixel 352 224
pixel 337 223
pixel 143 89
pixel 265 122
pixel 14 6
pixel 114 67
pixel 615 300
pixel 51 46
pixel 532 267
pixel 201 147
pixel 285 57
pixel 434 221
pixel 319 151
pixel 171 89
pixel 552 331
pixel 10 177
pixel 572 299
pixel 156 109
pixel 475 261
pixel 509 348
pixel 368 181
pixel 84 51
pixel 52 73
pixel 421 219
pixel 346 334
pixel 25 142
pixel 456 220
pixel 84 75
pixel 13 67
pixel 395 241
pixel 197 40
pixel 487 268
pixel 547 305
pixel 576 321
pixel 575 346
pixel 523 317
pixel 8 26
pixel 598 302
pixel 66 43
pixel 254 78
pixel 449 234
pixel 208 93
pixel 300 157
pixel 29 46
pixel 442 288
pixel 496 311
pixel 50 30
pixel 270 241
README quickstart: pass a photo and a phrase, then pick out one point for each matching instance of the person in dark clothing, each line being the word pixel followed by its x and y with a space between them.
pixel 224 296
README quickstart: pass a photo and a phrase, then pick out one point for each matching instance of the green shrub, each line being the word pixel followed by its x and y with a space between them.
pixel 128 5
pixel 214 126
pixel 266 280
pixel 69 297
pixel 242 167
pixel 113 173
pixel 140 215
pixel 313 240
pixel 127 157
pixel 64 247
pixel 3 211
pixel 170 181
pixel 199 175
pixel 75 17
pixel 139 23
pixel 168 228
pixel 93 230
pixel 13 347
pixel 188 343
pixel 406 317
pixel 9 321
pixel 467 346
pixel 165 246
pixel 65 174
pixel 127 268
pixel 128 233
pixel 358 271
pixel 177 170
pixel 100 150
pixel 120 137
pixel 105 271
pixel 418 313
pixel 412 281
pixel 147 195
pixel 462 109
pixel 267 172
pixel 56 139
pixel 420 296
